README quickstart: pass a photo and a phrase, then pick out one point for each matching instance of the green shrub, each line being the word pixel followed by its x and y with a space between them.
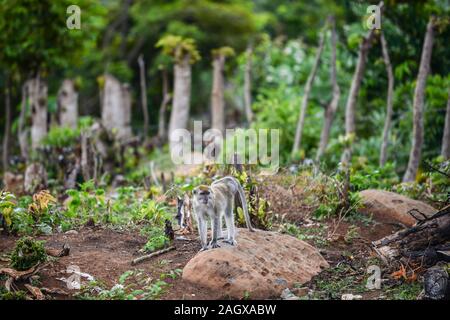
pixel 7 204
pixel 27 253
pixel 258 207
pixel 60 137
pixel 365 176
pixel 12 295
pixel 156 243
pixel 156 238
pixel 87 203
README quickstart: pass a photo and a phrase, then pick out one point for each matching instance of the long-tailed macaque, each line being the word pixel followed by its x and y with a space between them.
pixel 216 201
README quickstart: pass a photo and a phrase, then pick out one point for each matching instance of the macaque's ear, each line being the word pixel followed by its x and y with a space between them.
pixel 194 191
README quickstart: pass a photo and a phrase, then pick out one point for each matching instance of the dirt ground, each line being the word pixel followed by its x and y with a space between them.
pixel 106 254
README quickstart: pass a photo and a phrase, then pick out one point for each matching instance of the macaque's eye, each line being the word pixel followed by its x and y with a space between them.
pixel 195 191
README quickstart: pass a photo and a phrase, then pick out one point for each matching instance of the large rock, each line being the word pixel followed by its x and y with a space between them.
pixel 390 207
pixel 262 264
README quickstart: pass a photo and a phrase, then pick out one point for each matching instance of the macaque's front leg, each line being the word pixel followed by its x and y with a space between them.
pixel 203 234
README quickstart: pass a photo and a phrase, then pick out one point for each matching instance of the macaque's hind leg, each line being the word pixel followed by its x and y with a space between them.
pixel 229 220
pixel 215 231
pixel 220 232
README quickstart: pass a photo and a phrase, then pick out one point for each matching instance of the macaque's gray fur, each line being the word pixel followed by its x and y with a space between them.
pixel 216 201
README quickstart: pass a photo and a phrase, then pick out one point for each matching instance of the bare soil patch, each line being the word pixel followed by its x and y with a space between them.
pixel 106 254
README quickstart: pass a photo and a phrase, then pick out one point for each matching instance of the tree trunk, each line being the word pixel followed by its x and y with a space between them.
pixel 332 107
pixel 22 133
pixel 418 104
pixel 390 93
pixel 116 108
pixel 143 94
pixel 350 114
pixel 181 96
pixel 217 100
pixel 162 134
pixel 38 91
pixel 446 137
pixel 309 82
pixel 353 96
pixel 35 178
pixel 7 134
pixel 68 104
pixel 248 85
pixel 126 106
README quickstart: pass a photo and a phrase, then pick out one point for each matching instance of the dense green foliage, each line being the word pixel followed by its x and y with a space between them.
pixel 27 253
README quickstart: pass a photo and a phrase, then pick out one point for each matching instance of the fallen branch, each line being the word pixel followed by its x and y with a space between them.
pixel 151 255
pixel 65 250
pixel 35 292
pixel 54 291
pixel 426 239
pixel 9 284
pixel 16 275
pixel 429 165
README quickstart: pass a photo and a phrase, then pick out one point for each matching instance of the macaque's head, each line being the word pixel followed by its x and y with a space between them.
pixel 202 195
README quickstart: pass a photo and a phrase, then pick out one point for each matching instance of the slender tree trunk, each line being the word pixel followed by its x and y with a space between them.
pixel 446 137
pixel 217 100
pixel 418 105
pixel 162 109
pixel 248 85
pixel 332 107
pixel 38 93
pixel 116 108
pixel 7 134
pixel 353 96
pixel 143 94
pixel 181 95
pixel 68 104
pixel 389 103
pixel 22 133
pixel 309 82
pixel 350 113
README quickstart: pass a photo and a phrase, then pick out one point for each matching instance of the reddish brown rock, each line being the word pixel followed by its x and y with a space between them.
pixel 262 265
pixel 390 207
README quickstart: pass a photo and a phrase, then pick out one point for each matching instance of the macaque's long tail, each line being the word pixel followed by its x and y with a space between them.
pixel 238 187
pixel 240 190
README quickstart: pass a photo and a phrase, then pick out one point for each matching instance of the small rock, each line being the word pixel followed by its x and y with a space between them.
pixel 288 295
pixel 436 284
pixel 349 296
pixel 117 287
pixel 90 223
pixel 300 292
pixel 74 232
